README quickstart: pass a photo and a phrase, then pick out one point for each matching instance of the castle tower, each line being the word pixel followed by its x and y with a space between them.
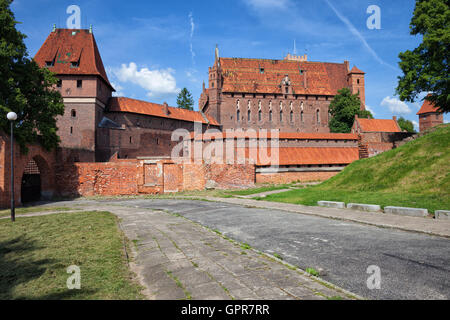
pixel 429 116
pixel 357 85
pixel 74 57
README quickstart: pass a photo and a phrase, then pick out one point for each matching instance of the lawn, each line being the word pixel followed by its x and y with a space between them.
pixel 27 210
pixel 311 195
pixel 260 189
pixel 35 253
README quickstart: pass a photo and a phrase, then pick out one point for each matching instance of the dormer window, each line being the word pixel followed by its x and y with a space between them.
pixel 75 64
pixel 50 63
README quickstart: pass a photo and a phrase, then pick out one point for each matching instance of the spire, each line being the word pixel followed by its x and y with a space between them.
pixel 217 55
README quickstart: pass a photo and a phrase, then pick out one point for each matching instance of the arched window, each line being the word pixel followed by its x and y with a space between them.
pixel 259 111
pixel 238 111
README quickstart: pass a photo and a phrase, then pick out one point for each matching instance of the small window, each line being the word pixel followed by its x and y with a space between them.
pixel 281 116
pixel 270 115
pixel 357 81
pixel 157 141
pixel 73 113
pixel 79 83
pixel 301 117
pixel 74 64
pixel 238 115
pixel 261 70
pixel 212 84
pixel 71 130
pixel 292 116
pixel 259 115
pixel 131 140
pixel 59 83
pixel 49 63
pixel 318 116
pixel 249 115
pixel 287 90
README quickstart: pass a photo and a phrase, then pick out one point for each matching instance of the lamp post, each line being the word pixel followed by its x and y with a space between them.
pixel 12 116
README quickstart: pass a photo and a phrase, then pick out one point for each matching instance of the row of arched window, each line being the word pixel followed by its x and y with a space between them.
pixel 281 114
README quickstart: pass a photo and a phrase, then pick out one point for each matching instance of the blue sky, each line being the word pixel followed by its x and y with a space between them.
pixel 152 49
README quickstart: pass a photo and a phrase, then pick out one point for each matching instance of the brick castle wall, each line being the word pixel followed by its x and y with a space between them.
pixel 289 177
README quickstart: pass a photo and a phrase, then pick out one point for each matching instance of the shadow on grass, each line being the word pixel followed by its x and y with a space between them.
pixel 15 270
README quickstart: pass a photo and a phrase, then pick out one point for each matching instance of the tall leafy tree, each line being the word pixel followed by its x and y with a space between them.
pixel 25 88
pixel 425 69
pixel 343 109
pixel 185 100
pixel 405 125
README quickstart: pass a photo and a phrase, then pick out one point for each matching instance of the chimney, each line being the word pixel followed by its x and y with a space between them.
pixel 347 65
pixel 166 108
pixel 395 118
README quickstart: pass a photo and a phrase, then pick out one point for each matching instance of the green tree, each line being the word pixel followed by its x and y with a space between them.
pixel 425 69
pixel 343 109
pixel 185 100
pixel 25 88
pixel 406 125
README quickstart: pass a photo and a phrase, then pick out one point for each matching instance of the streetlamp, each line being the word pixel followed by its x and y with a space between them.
pixel 12 116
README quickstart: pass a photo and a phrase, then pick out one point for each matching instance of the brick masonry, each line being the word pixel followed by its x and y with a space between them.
pixel 289 177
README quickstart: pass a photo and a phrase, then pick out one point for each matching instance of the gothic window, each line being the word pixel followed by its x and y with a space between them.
pixel 292 116
pixel 238 111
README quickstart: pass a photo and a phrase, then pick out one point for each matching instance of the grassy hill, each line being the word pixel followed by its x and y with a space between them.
pixel 416 174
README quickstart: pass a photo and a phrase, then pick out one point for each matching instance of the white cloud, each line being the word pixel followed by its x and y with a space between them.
pixel 369 108
pixel 119 88
pixel 395 106
pixel 268 4
pixel 446 121
pixel 158 83
pixel 416 125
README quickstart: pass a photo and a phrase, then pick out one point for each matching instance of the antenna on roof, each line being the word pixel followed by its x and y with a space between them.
pixel 90 29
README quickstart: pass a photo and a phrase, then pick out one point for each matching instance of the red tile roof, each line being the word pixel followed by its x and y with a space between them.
pixel 428 107
pixel 281 135
pixel 308 156
pixel 71 52
pixel 378 125
pixel 119 104
pixel 265 76
pixel 356 70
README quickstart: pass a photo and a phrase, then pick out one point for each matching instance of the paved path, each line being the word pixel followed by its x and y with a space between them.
pixel 264 194
pixel 416 224
pixel 176 258
pixel 413 265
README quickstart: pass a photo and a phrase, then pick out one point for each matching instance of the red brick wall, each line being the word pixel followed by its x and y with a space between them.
pixel 225 176
pixel 429 120
pixel 89 179
pixel 289 177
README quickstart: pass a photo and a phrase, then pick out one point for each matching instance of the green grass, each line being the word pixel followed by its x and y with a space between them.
pixel 36 252
pixel 414 175
pixel 276 255
pixel 261 189
pixel 312 272
pixel 27 210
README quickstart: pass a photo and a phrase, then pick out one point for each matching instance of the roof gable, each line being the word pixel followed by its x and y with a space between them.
pixel 71 52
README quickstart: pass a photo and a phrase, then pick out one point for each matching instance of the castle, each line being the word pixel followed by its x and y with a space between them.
pixel 117 145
